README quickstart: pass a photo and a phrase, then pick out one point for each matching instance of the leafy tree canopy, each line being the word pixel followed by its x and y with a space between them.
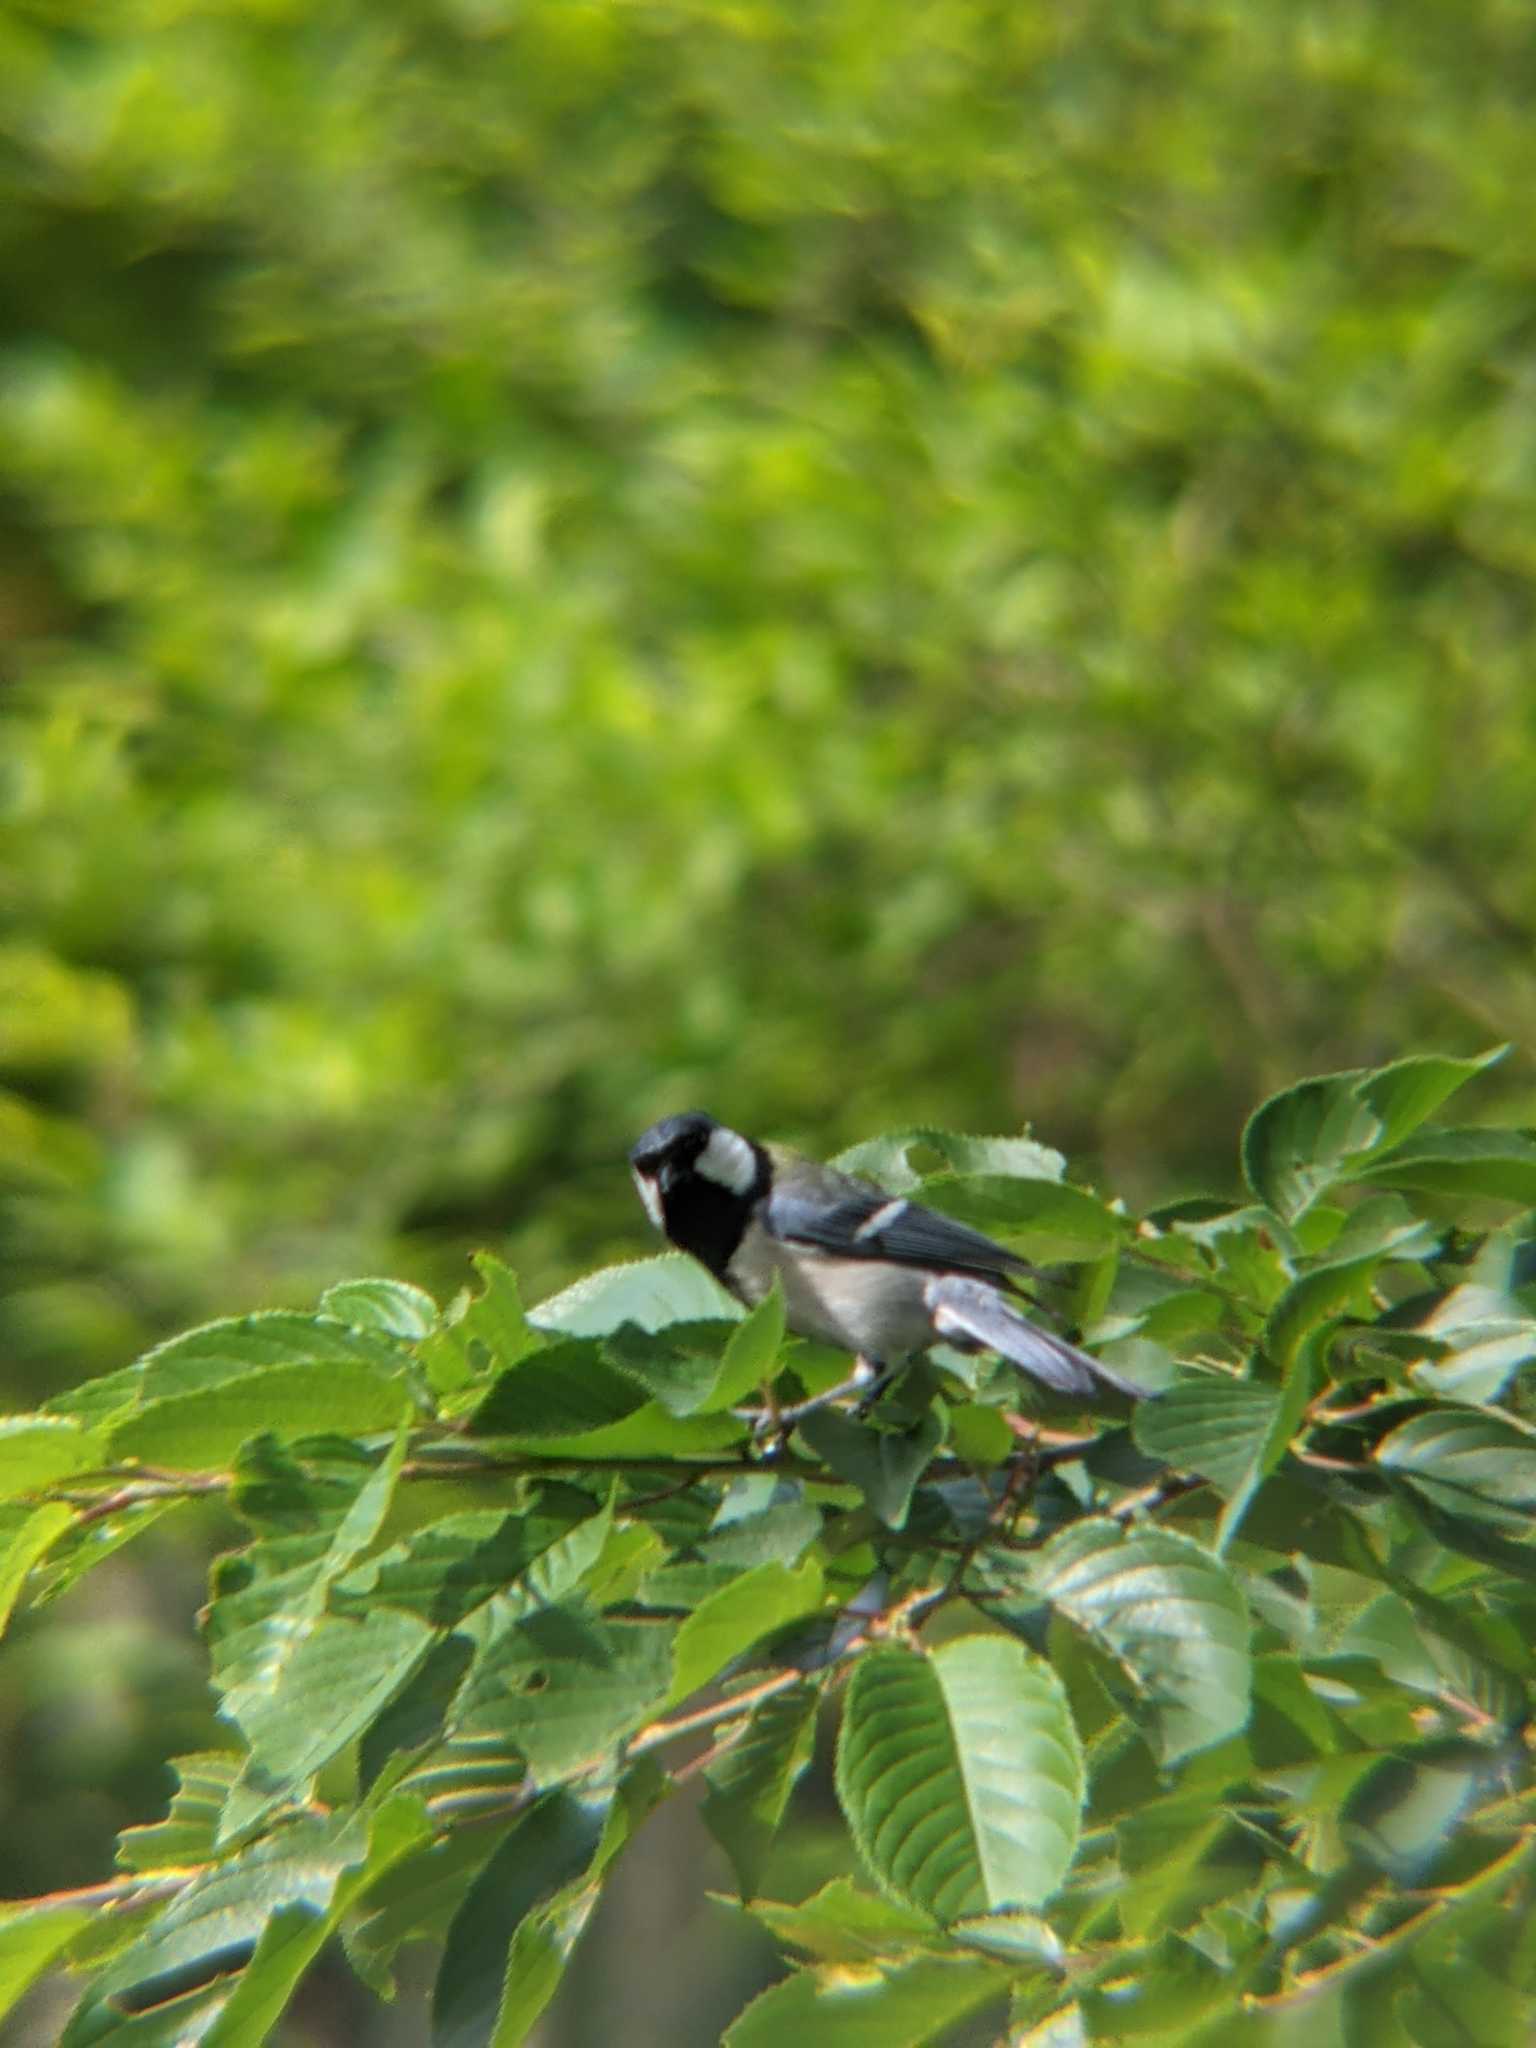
pixel 1159 1730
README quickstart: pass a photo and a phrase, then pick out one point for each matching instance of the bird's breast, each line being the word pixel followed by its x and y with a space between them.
pixel 859 1305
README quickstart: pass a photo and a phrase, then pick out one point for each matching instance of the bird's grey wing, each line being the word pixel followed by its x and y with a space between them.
pixel 860 1222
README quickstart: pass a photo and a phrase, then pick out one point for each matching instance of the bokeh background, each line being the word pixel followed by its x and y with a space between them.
pixel 853 565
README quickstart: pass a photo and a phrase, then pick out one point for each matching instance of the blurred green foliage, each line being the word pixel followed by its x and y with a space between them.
pixel 971 563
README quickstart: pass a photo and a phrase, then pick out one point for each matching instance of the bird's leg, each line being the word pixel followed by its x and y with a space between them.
pixel 868 1379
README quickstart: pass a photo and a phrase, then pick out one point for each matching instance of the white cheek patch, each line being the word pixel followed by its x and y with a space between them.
pixel 729 1161
pixel 646 1189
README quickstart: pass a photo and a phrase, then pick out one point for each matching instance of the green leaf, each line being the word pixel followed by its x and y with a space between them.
pixel 1488 1334
pixel 564 1390
pixel 1168 1615
pixel 296 1932
pixel 26 1536
pixel 1176 1986
pixel 735 1617
pixel 1468 1461
pixel 286 1672
pixel 752 1355
pixel 1401 1810
pixel 188 1832
pixel 549 1845
pixel 889 1161
pixel 890 2005
pixel 38 1450
pixel 1077 1224
pixel 444 1571
pixel 844 1924
pixel 393 1306
pixel 750 1783
pixel 564 1687
pixel 1217 1427
pixel 199 1432
pixel 1499 1164
pixel 884 1464
pixel 651 1293
pixel 495 1317
pixel 1315 1136
pixel 961 1775
pixel 547 1934
pixel 1296 1145
pixel 1323 1292
pixel 234 1349
pixel 335 1676
pixel 679 1366
pixel 211 1928
pixel 31 1936
pixel 650 1432
pixel 417 1899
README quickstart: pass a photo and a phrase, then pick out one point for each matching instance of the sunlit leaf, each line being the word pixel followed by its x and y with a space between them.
pixel 960 1775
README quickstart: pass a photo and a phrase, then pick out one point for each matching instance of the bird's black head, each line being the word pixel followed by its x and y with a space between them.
pixel 698 1181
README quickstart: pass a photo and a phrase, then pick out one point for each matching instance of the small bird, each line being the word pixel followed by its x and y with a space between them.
pixel 861 1269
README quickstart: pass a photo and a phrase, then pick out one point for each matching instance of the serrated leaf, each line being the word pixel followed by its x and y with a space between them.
pixel 1217 1427
pixel 202 1431
pixel 547 1934
pixel 26 1535
pixel 211 1928
pixel 730 1620
pixel 445 1570
pixel 548 1846
pixel 884 1464
pixel 31 1937
pixel 291 1694
pixel 1499 1164
pixel 752 1355
pixel 565 1389
pixel 338 1675
pixel 679 1366
pixel 961 1775
pixel 495 1317
pixel 232 1349
pixel 296 1932
pixel 393 1306
pixel 187 1834
pixel 651 1293
pixel 842 1923
pixel 564 1686
pixel 1315 1136
pixel 1470 1461
pixel 1401 1810
pixel 1168 1615
pixel 889 2005
pixel 37 1450
pixel 889 1161
pixel 750 1783
pixel 1077 1224
pixel 1324 1291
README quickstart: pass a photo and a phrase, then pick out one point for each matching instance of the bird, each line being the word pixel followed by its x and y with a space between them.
pixel 860 1269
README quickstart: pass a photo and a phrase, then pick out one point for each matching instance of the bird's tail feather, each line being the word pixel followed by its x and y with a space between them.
pixel 970 1312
